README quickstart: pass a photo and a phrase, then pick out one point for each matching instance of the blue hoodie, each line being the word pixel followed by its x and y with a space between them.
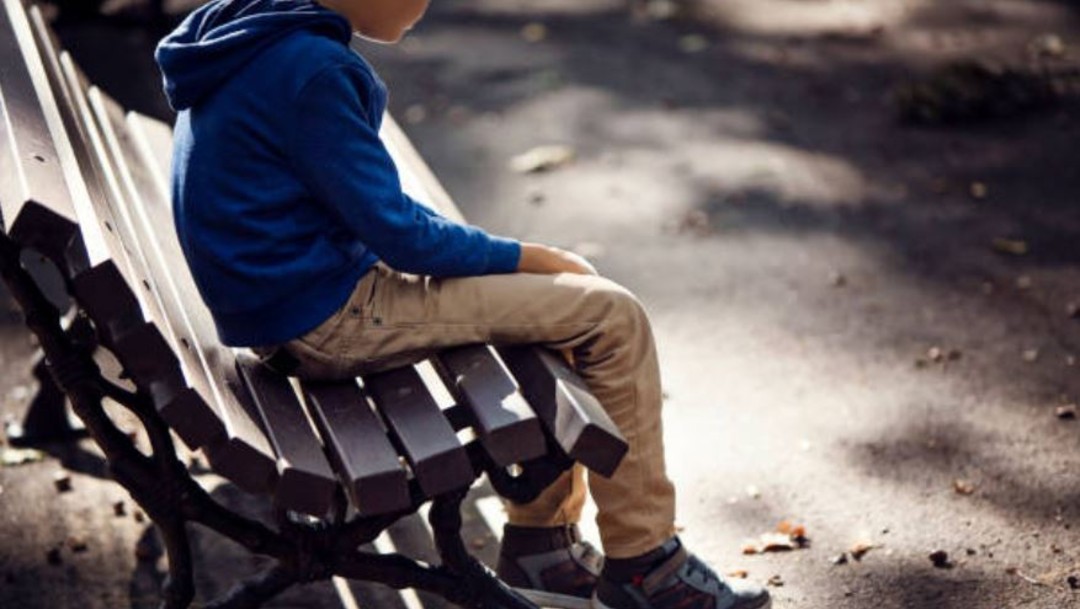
pixel 283 194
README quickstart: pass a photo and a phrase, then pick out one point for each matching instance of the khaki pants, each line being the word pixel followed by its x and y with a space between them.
pixel 394 318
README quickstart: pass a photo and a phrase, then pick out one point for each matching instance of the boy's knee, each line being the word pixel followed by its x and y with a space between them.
pixel 620 304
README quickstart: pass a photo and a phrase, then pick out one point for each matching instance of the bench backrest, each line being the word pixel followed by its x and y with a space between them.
pixel 86 184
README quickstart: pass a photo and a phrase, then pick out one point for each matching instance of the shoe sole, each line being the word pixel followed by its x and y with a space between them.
pixel 553 600
pixel 596 603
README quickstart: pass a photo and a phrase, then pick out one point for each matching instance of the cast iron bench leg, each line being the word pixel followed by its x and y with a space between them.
pixel 46 418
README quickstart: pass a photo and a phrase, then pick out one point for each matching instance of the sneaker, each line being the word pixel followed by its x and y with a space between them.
pixel 679 581
pixel 551 567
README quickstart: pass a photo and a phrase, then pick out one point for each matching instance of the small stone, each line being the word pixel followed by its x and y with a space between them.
pixel 971 552
pixel 837 279
pixel 839 559
pixel 1073 581
pixel 979 190
pixel 776 581
pixel 1066 412
pixel 693 43
pixel 478 543
pixel 415 114
pixel 62 482
pixel 753 492
pixel 53 556
pixel 77 544
pixel 1030 355
pixel 1072 310
pixel 661 10
pixel 953 355
pixel 1024 282
pixel 940 559
pixel 537 197
pixel 935 354
pixel 1070 360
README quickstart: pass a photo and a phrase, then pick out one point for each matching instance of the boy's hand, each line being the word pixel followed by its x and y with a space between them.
pixel 547 260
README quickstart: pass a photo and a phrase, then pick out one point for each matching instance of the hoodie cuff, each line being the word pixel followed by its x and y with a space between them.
pixel 503 256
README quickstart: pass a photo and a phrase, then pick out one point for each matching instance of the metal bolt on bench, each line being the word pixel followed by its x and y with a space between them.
pixel 84 183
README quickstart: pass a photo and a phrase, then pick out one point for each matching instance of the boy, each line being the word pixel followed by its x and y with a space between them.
pixel 292 219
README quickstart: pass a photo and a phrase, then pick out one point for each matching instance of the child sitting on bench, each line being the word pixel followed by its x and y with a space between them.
pixel 304 247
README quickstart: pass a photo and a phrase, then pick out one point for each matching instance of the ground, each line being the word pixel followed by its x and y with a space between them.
pixel 865 327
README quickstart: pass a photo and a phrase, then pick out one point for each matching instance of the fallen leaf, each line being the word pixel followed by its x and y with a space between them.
pixel 1047 45
pixel 940 559
pixel 1015 247
pixel 963 487
pixel 542 158
pixel 534 32
pixel 860 549
pixel 693 43
pixel 1066 412
pixel 739 574
pixel 19 456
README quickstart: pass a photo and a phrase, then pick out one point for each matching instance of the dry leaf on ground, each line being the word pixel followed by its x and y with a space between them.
pixel 963 487
pixel 1066 412
pixel 19 456
pixel 542 158
pixel 1014 247
pixel 787 536
pixel 860 549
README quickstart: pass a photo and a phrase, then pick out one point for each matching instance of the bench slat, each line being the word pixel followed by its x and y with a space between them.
pixel 505 424
pixel 305 481
pixel 439 462
pixel 36 197
pixel 245 455
pixel 564 405
pixel 358 447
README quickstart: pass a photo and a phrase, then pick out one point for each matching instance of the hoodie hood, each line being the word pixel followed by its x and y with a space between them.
pixel 219 38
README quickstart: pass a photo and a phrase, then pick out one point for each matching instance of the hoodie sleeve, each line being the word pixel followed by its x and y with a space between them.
pixel 337 153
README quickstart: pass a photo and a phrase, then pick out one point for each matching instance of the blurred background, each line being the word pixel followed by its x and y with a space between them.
pixel 856 224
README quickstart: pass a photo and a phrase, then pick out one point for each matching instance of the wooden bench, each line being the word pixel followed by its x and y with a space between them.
pixel 85 184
